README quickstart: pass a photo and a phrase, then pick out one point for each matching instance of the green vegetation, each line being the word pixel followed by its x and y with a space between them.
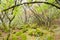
pixel 31 20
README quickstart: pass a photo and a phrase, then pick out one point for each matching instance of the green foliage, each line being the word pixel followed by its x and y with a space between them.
pixel 45 13
pixel 19 35
pixel 31 32
pixel 49 38
pixel 14 37
pixel 41 8
pixel 18 10
pixel 39 32
pixel 29 0
pixel 6 3
pixel 51 1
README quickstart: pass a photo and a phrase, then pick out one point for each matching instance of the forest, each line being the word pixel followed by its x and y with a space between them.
pixel 29 19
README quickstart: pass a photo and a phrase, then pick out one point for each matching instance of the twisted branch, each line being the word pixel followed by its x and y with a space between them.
pixel 32 3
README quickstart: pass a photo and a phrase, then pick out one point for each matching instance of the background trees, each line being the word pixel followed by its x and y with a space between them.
pixel 28 16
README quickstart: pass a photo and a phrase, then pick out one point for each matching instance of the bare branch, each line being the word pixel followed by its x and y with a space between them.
pixel 25 14
pixel 35 14
pixel 1 18
pixel 32 3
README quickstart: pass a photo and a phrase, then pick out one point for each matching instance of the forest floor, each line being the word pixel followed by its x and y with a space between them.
pixel 57 34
